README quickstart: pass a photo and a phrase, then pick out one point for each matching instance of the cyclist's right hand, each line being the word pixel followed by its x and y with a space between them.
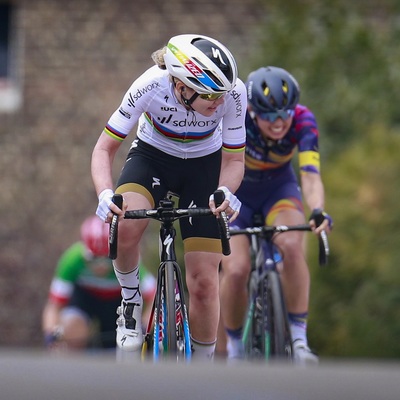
pixel 105 200
pixel 107 207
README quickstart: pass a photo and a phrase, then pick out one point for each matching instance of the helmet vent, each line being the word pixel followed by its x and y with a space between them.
pixel 199 62
pixel 214 78
pixel 195 82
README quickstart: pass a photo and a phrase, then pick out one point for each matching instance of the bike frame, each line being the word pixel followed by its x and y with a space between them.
pixel 169 317
pixel 170 290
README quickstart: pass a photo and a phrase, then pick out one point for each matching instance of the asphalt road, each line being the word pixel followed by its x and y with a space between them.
pixel 39 376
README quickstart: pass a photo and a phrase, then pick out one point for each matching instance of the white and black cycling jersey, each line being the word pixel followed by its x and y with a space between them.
pixel 163 122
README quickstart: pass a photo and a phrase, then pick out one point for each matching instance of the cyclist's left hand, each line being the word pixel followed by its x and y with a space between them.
pixel 320 221
pixel 231 205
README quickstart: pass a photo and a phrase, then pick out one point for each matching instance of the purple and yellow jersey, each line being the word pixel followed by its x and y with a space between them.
pixel 302 134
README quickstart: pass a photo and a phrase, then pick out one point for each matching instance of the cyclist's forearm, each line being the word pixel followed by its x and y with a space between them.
pixel 313 190
pixel 50 317
pixel 102 160
pixel 232 171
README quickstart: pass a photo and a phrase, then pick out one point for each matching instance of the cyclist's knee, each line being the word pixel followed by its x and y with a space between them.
pixel 76 330
pixel 236 271
pixel 130 233
pixel 203 287
pixel 291 243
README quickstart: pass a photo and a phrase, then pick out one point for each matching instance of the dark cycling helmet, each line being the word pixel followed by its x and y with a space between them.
pixel 201 63
pixel 94 234
pixel 271 89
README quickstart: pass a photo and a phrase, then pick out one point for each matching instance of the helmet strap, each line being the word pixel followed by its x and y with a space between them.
pixel 188 102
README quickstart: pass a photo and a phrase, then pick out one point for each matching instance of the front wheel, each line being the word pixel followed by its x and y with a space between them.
pixel 177 320
pixel 278 327
pixel 253 331
pixel 170 295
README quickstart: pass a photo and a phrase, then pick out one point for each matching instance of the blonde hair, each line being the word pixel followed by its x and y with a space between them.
pixel 158 57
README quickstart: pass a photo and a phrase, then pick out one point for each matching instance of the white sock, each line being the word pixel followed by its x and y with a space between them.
pixel 235 347
pixel 129 282
pixel 298 332
pixel 203 351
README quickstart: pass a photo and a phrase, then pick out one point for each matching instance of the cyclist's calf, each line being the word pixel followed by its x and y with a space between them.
pixel 129 236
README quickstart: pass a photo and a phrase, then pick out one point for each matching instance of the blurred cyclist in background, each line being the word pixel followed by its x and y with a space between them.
pixel 275 126
pixel 84 293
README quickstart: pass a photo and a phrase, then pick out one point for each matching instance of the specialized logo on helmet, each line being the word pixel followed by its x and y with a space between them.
pixel 191 67
pixel 217 54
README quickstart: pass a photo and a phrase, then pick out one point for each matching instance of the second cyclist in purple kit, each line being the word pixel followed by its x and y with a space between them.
pixel 189 109
pixel 276 124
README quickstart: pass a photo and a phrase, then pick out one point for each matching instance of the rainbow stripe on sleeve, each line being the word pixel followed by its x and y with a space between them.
pixel 230 148
pixel 114 133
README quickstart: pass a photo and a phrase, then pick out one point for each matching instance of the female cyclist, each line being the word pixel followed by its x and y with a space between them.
pixel 276 124
pixel 190 111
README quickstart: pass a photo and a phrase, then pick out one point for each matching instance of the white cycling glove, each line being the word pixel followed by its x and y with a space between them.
pixel 105 199
pixel 234 202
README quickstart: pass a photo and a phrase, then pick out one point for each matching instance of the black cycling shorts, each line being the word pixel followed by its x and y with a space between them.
pixel 153 173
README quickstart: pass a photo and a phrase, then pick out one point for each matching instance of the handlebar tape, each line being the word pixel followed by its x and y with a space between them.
pixel 219 197
pixel 113 235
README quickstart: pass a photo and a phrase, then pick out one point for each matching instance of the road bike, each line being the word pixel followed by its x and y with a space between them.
pixel 266 333
pixel 168 333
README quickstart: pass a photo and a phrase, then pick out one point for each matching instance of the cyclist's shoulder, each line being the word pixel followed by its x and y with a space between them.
pixel 239 87
pixel 150 90
pixel 74 250
pixel 304 123
pixel 73 258
pixel 153 80
pixel 302 112
pixel 238 94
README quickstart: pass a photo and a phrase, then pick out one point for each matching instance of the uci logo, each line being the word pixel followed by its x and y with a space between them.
pixel 173 109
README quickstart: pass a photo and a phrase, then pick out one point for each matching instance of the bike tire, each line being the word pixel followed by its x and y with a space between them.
pixel 247 337
pixel 152 344
pixel 277 324
pixel 148 342
pixel 170 295
pixel 169 326
pixel 253 330
pixel 184 345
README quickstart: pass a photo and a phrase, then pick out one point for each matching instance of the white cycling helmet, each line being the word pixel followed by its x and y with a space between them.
pixel 201 63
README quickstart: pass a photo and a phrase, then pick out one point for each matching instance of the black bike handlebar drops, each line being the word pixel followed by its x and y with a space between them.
pixel 219 197
pixel 113 237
